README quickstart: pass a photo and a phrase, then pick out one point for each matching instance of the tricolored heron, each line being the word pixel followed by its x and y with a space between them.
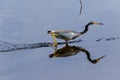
pixel 68 34
pixel 73 50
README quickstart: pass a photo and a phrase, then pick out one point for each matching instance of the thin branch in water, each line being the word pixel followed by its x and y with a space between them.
pixel 80 7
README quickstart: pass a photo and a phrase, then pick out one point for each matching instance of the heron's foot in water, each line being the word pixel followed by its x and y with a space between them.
pixel 55 45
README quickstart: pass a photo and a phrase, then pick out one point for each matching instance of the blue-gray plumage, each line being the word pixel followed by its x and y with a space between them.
pixel 68 34
pixel 65 35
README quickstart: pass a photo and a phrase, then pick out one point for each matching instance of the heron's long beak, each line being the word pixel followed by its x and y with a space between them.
pixel 96 23
pixel 100 58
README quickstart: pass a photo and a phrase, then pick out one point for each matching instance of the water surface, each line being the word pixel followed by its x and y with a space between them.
pixel 27 21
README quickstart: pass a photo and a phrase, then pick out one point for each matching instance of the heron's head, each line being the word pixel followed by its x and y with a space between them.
pixel 95 61
pixel 95 23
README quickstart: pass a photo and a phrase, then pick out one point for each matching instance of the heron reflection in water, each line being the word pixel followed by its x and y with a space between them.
pixel 73 50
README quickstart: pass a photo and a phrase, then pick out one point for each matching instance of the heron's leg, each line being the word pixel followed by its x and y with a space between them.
pixel 66 42
pixel 54 39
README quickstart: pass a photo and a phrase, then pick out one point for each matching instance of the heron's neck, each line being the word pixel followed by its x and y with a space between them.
pixel 86 28
pixel 88 57
pixel 87 54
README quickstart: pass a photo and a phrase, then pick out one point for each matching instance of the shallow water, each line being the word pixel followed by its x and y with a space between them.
pixel 27 22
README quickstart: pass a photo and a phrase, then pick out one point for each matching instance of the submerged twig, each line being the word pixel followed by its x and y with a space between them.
pixel 80 7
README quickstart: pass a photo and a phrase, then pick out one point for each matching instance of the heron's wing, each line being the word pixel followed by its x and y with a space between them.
pixel 65 31
pixel 67 34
